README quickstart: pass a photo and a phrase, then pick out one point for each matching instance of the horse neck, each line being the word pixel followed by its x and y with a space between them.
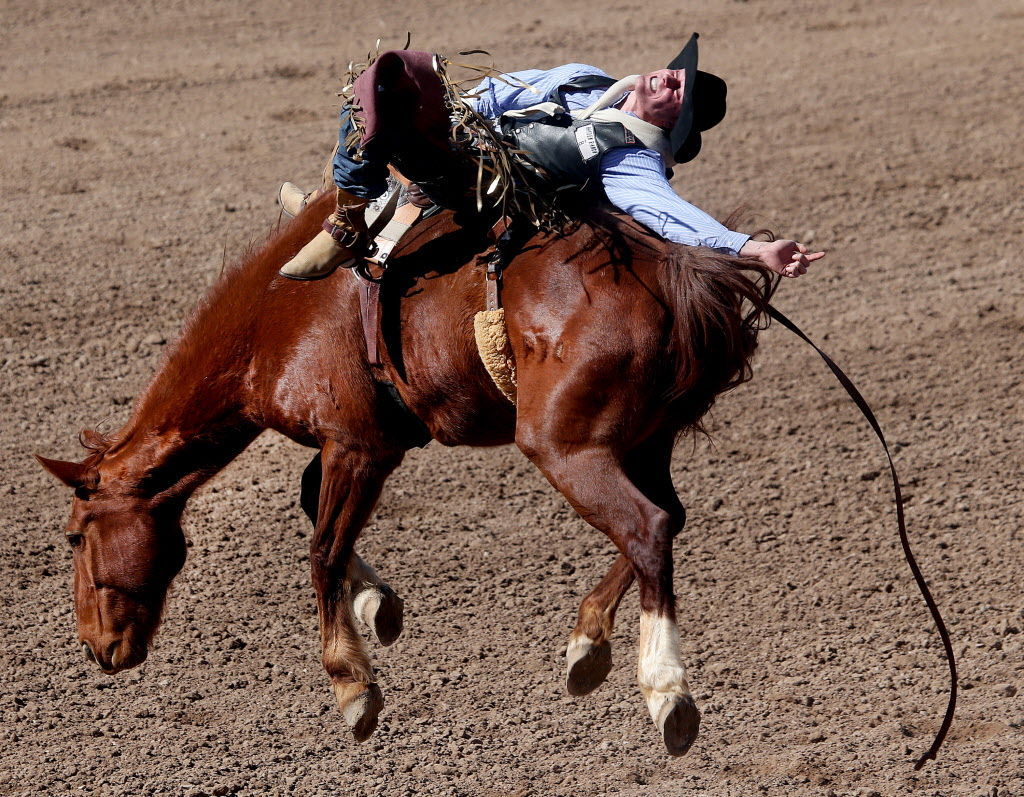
pixel 169 462
pixel 195 416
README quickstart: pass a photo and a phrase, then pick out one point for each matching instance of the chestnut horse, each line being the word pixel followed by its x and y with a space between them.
pixel 621 341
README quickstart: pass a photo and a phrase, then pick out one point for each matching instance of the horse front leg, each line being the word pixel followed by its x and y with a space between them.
pixel 351 484
pixel 589 653
pixel 374 602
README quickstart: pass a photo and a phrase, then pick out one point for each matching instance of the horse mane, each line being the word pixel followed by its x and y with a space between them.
pixel 210 336
pixel 207 343
pixel 96 443
pixel 720 303
pixel 235 296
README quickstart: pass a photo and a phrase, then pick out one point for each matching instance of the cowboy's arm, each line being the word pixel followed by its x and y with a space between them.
pixel 517 90
pixel 634 181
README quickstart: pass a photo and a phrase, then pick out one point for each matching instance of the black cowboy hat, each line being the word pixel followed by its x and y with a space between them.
pixel 703 104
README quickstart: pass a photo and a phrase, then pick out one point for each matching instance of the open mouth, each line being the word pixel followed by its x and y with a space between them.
pixel 653 82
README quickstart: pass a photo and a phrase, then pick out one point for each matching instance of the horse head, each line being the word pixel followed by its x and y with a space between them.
pixel 127 548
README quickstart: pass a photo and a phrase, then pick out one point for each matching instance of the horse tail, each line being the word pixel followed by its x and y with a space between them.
pixel 718 304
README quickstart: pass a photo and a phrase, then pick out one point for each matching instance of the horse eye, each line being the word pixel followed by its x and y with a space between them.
pixel 74 538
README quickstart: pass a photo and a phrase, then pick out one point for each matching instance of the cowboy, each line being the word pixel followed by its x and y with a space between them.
pixel 591 130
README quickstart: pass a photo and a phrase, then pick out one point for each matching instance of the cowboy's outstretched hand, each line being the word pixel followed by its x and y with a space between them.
pixel 788 258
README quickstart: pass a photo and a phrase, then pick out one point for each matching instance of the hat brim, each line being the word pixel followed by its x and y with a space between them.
pixel 703 103
pixel 687 62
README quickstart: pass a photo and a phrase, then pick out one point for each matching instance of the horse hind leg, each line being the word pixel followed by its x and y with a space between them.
pixel 589 655
pixel 663 682
pixel 595 482
pixel 375 603
pixel 659 667
pixel 351 485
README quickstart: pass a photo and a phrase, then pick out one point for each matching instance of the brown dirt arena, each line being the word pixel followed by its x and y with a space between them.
pixel 141 142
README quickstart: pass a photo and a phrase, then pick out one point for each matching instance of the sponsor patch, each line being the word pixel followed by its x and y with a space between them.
pixel 586 139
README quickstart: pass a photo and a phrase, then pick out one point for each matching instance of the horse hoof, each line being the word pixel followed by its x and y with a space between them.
pixel 587 667
pixel 679 721
pixel 360 706
pixel 382 611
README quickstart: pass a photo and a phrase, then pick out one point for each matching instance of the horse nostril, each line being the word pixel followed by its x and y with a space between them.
pixel 89 655
pixel 111 653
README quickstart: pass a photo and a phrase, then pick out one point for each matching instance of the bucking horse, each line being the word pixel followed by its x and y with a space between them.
pixel 621 341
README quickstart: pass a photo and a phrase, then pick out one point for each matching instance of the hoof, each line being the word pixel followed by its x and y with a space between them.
pixel 360 705
pixel 588 665
pixel 679 721
pixel 382 611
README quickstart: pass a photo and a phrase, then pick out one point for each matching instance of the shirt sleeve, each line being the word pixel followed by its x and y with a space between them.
pixel 518 90
pixel 634 181
pixel 494 96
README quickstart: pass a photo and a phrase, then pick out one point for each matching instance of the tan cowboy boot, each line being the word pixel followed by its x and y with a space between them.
pixel 338 244
pixel 293 200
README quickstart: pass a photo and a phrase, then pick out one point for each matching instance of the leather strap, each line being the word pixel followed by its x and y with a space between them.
pixel 908 554
pixel 493 292
pixel 369 312
pixel 392 232
pixel 500 228
pixel 496 262
pixel 376 221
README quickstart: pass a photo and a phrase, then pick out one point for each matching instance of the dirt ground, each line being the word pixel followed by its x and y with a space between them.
pixel 140 143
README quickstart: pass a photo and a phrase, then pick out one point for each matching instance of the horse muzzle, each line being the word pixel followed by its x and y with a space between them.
pixel 112 656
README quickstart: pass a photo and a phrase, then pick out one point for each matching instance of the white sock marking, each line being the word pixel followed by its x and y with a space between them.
pixel 660 669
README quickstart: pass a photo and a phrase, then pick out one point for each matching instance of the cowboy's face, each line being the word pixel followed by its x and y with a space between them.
pixel 657 97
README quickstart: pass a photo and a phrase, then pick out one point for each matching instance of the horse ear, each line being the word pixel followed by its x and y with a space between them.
pixel 73 474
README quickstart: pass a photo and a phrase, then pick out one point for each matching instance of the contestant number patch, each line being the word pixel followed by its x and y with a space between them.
pixel 586 139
